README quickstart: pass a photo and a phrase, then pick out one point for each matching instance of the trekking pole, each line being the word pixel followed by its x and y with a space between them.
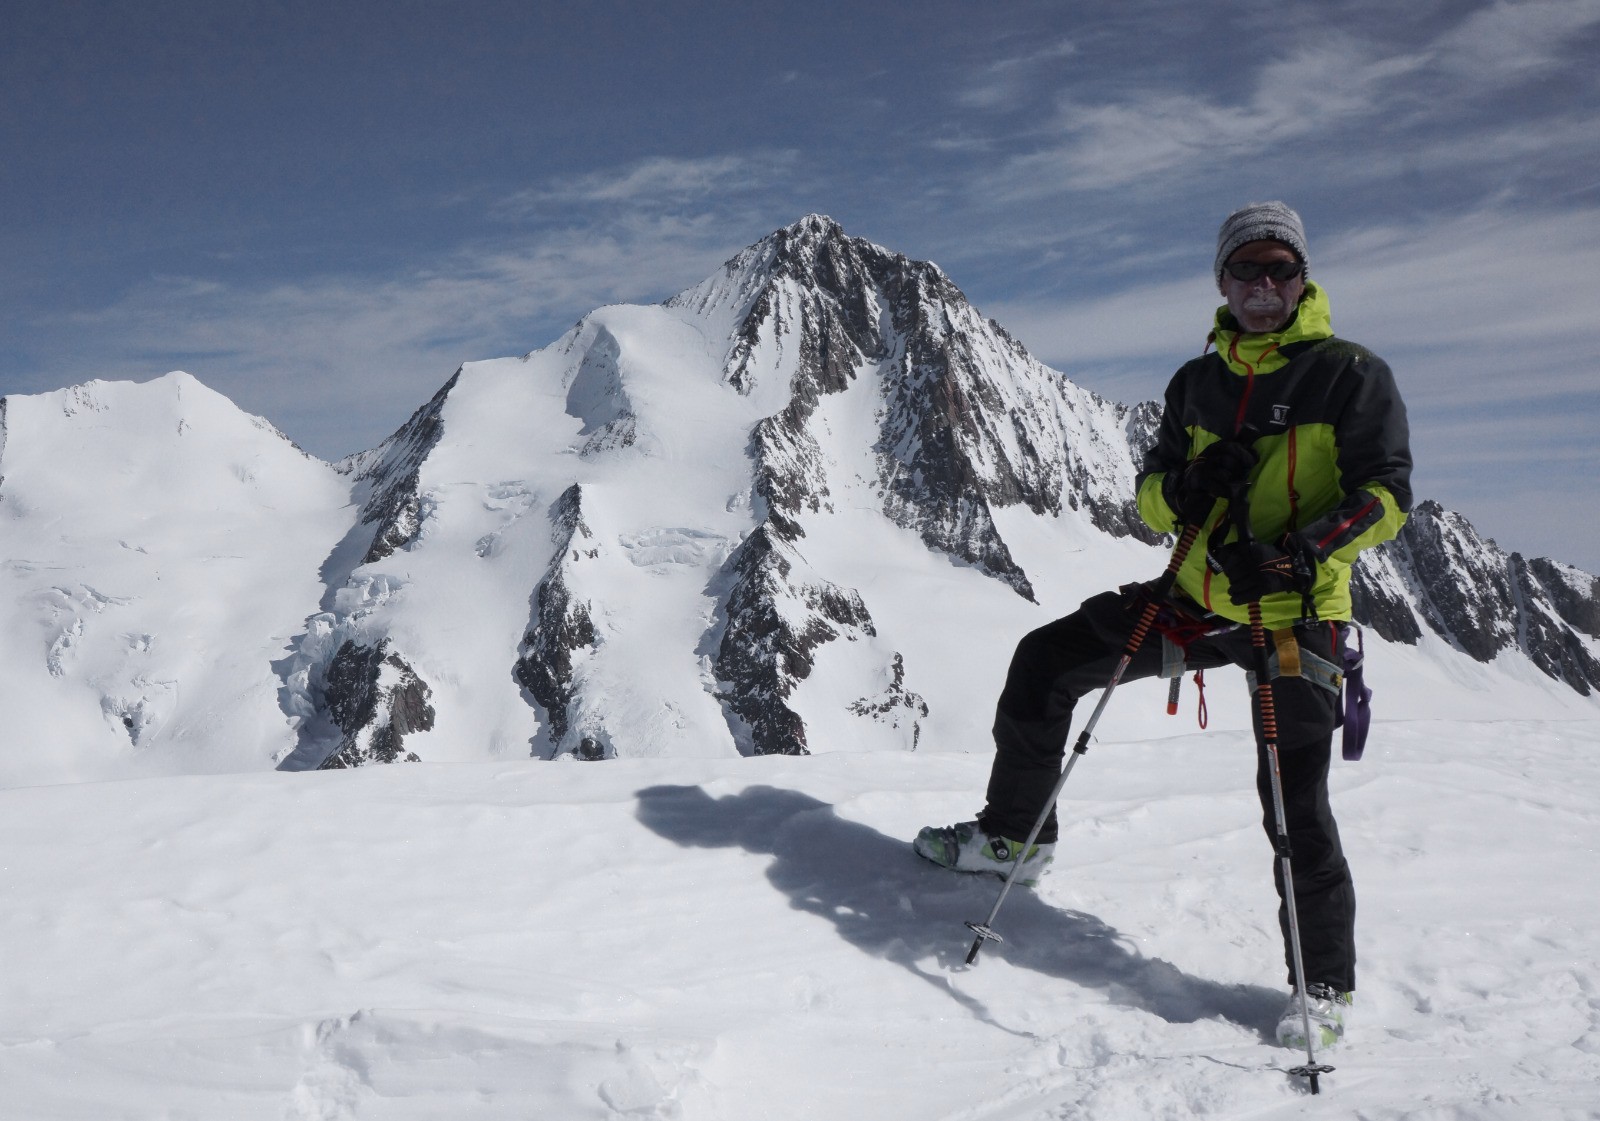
pixel 1266 708
pixel 985 930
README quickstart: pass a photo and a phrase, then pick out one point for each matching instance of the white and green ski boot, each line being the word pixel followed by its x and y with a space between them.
pixel 1330 1015
pixel 966 848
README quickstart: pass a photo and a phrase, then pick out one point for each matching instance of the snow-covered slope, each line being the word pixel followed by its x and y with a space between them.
pixel 160 551
pixel 729 939
pixel 807 505
pixel 714 525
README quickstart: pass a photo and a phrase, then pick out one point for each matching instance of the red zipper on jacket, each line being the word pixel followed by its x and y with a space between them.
pixel 1294 495
pixel 1249 382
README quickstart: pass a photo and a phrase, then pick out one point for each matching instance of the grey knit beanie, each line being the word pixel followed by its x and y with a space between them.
pixel 1261 221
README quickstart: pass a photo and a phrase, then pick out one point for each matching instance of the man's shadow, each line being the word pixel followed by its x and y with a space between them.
pixel 887 901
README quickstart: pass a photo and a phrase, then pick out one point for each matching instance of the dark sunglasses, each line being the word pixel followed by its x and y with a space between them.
pixel 1252 270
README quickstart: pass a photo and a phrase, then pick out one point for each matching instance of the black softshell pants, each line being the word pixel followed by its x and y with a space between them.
pixel 1064 660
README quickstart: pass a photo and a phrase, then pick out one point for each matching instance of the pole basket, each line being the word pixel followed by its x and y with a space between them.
pixel 1311 1072
pixel 984 934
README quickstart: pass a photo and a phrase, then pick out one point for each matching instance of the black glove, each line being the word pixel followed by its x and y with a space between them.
pixel 1255 568
pixel 1194 488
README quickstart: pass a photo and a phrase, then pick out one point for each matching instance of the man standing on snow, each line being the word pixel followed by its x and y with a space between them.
pixel 1313 432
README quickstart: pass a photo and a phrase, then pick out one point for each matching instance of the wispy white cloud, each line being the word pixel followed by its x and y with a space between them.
pixel 339 359
pixel 1155 133
pixel 659 180
pixel 1000 83
pixel 1332 90
pixel 1505 297
pixel 1514 42
pixel 1525 148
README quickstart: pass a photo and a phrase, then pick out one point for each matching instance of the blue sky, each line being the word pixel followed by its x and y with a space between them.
pixel 321 209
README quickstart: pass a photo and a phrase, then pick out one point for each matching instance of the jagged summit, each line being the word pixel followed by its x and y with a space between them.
pixel 814 253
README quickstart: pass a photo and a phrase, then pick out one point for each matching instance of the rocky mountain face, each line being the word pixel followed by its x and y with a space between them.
pixel 394 506
pixel 968 421
pixel 747 519
pixel 1438 575
pixel 963 423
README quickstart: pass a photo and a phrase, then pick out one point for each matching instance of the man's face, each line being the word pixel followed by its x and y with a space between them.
pixel 1262 304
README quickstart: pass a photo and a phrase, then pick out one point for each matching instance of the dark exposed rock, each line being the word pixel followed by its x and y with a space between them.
pixel 945 462
pixel 1119 515
pixel 1380 595
pixel 896 703
pixel 375 699
pixel 1141 424
pixel 1468 595
pixel 1574 595
pixel 394 504
pixel 561 627
pixel 776 619
pixel 1439 574
pixel 790 477
pixel 1547 636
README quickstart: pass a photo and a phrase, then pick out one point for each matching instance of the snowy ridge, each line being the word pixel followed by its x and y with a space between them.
pixel 393 502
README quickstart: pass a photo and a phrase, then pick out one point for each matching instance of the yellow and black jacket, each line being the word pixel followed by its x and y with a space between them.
pixel 1327 422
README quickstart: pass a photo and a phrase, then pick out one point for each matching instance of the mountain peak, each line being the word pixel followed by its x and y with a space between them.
pixel 813 225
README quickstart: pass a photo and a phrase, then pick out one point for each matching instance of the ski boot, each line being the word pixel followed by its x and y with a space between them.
pixel 967 848
pixel 1330 1014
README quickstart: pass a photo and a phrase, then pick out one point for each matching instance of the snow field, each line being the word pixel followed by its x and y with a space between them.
pixel 142 612
pixel 728 939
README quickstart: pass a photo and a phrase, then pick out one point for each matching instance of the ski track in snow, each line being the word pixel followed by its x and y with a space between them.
pixel 726 939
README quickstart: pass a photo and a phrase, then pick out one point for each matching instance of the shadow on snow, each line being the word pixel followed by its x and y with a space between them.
pixel 887 901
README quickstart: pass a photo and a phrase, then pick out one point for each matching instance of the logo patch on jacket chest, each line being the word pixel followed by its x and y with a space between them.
pixel 1280 414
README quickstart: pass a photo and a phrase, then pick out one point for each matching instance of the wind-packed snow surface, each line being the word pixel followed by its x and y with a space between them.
pixel 728 940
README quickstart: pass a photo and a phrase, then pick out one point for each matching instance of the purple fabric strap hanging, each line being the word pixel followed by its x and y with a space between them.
pixel 1356 712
